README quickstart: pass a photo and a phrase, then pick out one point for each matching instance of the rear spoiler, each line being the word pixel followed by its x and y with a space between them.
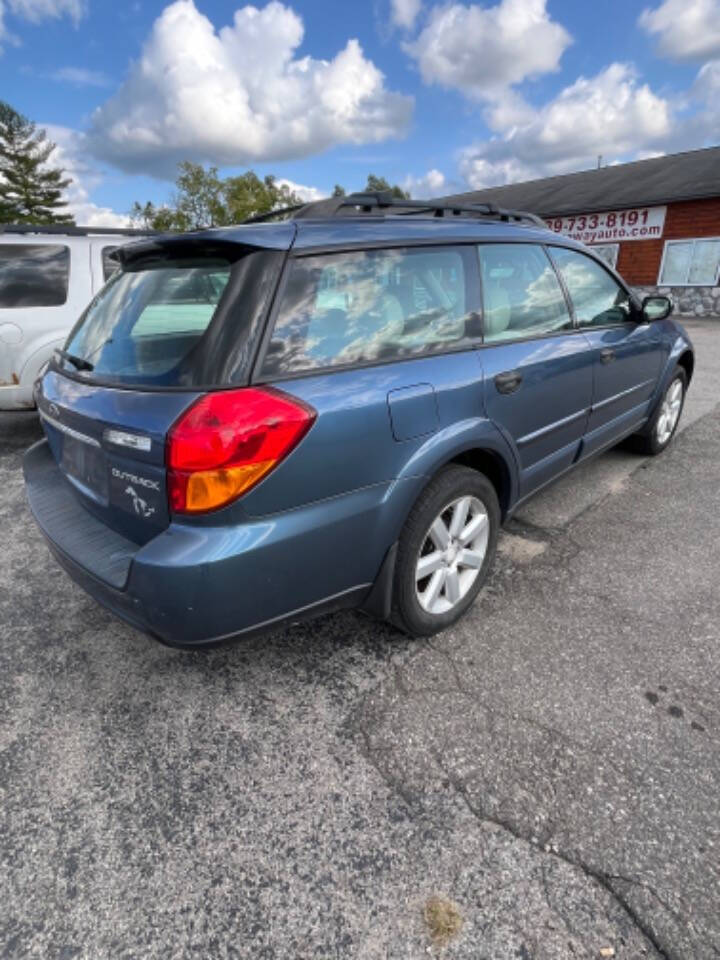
pixel 226 242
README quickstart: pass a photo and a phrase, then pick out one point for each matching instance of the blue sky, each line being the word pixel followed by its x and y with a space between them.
pixel 437 96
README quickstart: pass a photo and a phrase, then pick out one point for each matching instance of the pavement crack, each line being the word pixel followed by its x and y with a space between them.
pixel 453 667
pixel 600 877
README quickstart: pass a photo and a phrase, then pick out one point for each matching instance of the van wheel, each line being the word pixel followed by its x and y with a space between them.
pixel 664 423
pixel 445 551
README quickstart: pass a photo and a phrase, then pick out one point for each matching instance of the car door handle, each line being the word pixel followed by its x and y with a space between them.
pixel 607 355
pixel 508 382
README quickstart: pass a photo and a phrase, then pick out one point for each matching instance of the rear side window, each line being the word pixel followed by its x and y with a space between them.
pixel 373 305
pixel 34 275
pixel 597 297
pixel 109 265
pixel 522 296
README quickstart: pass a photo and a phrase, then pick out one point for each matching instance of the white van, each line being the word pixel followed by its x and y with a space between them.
pixel 48 275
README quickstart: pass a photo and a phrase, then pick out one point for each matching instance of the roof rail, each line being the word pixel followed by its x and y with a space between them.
pixel 438 208
pixel 364 203
pixel 70 230
pixel 282 213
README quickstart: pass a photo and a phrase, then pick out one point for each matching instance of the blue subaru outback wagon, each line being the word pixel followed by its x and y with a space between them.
pixel 336 407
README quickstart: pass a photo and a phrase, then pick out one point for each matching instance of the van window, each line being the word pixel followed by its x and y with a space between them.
pixel 597 297
pixel 109 266
pixel 359 307
pixel 522 296
pixel 33 275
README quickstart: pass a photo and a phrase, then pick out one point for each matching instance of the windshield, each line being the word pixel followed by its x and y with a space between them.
pixel 166 323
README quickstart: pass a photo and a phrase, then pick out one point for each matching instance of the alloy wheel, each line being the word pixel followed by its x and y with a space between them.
pixel 669 412
pixel 452 554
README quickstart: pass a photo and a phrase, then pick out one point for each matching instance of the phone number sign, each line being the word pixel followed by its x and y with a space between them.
pixel 639 223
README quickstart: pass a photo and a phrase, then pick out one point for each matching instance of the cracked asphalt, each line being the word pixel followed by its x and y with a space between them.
pixel 551 765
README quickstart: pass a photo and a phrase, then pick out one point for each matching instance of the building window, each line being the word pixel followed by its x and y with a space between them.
pixel 607 252
pixel 690 263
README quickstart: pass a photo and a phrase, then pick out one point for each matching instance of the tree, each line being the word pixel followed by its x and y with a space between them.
pixel 248 195
pixel 380 185
pixel 31 191
pixel 204 199
pixel 149 217
pixel 375 185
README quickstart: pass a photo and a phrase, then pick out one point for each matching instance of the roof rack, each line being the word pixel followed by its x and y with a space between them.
pixel 70 230
pixel 364 203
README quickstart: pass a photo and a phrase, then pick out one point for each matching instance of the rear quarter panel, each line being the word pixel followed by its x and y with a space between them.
pixel 352 444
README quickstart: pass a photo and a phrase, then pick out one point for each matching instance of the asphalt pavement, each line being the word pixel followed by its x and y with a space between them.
pixel 545 777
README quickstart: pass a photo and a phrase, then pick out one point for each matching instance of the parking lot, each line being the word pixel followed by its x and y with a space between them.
pixel 551 765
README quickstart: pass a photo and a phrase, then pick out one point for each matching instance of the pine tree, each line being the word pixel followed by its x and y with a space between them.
pixel 30 190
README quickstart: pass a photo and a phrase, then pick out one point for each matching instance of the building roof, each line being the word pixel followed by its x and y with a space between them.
pixel 680 176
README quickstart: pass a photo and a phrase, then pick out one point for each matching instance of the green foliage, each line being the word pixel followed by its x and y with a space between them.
pixel 30 190
pixel 204 199
pixel 380 185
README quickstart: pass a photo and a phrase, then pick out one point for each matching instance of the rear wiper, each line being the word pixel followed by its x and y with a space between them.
pixel 78 362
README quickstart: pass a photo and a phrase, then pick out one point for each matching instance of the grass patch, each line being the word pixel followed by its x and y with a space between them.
pixel 442 919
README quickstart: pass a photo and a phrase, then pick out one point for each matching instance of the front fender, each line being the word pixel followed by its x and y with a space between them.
pixel 680 344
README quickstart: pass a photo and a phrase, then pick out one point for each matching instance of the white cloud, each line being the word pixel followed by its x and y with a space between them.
pixel 702 126
pixel 80 77
pixel 306 194
pixel 684 29
pixel 483 51
pixel 707 83
pixel 431 184
pixel 404 13
pixel 240 95
pixel 611 114
pixel 36 11
pixel 70 155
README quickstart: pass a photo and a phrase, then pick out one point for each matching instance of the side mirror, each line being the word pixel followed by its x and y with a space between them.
pixel 656 308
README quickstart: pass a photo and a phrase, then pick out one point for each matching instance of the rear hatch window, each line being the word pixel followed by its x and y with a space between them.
pixel 174 322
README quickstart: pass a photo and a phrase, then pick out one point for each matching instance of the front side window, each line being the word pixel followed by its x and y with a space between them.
pixel 34 275
pixel 522 296
pixel 597 298
pixel 359 307
pixel 691 263
pixel 607 252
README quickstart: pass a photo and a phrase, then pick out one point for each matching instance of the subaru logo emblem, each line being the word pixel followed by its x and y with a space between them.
pixel 54 410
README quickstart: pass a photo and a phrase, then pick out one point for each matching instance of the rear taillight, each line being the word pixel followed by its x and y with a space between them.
pixel 227 441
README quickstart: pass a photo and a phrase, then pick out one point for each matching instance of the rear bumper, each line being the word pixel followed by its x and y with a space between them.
pixel 194 585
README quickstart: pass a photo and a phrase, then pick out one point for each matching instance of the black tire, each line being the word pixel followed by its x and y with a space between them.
pixel 452 483
pixel 648 441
